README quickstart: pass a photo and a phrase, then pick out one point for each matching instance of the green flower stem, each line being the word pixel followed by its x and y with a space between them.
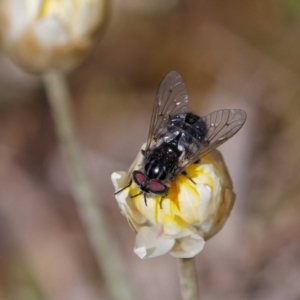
pixel 105 250
pixel 188 278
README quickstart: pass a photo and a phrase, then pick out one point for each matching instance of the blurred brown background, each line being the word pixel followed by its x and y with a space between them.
pixel 231 54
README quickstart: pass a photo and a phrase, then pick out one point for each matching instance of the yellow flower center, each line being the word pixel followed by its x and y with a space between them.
pixel 49 7
pixel 181 205
pixel 56 7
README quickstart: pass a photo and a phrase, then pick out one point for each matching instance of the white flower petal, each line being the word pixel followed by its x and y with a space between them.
pixel 119 180
pixel 188 247
pixel 18 18
pixel 222 214
pixel 205 200
pixel 50 32
pixel 128 209
pixel 189 199
pixel 176 227
pixel 151 242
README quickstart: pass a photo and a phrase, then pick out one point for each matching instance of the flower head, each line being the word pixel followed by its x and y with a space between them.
pixel 191 213
pixel 44 34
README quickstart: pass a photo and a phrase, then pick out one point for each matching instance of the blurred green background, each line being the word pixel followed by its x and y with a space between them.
pixel 231 54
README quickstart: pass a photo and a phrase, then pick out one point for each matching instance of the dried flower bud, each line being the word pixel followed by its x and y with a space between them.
pixel 49 34
pixel 191 213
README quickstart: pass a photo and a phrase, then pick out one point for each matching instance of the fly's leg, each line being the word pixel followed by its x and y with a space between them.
pixel 145 199
pixel 188 176
pixel 197 161
pixel 136 195
pixel 124 188
pixel 161 199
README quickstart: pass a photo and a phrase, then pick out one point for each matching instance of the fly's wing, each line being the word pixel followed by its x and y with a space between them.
pixel 220 126
pixel 171 99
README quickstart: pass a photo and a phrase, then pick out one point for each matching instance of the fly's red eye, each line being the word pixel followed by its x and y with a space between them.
pixel 157 187
pixel 138 177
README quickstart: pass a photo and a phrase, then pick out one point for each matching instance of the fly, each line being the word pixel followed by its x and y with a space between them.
pixel 178 138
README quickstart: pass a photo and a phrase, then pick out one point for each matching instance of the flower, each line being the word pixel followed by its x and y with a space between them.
pixel 191 213
pixel 49 34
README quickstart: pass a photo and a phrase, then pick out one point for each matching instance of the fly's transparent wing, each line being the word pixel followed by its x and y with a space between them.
pixel 220 126
pixel 171 99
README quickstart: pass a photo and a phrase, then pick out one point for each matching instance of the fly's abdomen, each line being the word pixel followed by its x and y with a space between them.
pixel 195 126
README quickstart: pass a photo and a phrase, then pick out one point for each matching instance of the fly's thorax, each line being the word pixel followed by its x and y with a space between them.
pixel 155 169
pixel 161 162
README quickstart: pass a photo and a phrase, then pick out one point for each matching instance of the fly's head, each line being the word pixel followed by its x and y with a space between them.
pixel 149 186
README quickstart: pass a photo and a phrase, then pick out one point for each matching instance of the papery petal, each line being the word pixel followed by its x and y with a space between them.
pixel 205 200
pixel 150 210
pixel 119 179
pixel 19 19
pixel 128 209
pixel 50 32
pixel 201 174
pixel 177 227
pixel 151 242
pixel 188 247
pixel 188 199
pixel 222 214
pixel 209 208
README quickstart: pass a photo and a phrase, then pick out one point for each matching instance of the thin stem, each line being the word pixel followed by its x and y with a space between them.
pixel 105 250
pixel 188 279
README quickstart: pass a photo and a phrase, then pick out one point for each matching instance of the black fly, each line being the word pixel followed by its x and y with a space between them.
pixel 178 138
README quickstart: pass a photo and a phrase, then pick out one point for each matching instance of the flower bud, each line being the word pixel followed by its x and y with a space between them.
pixel 49 34
pixel 192 212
